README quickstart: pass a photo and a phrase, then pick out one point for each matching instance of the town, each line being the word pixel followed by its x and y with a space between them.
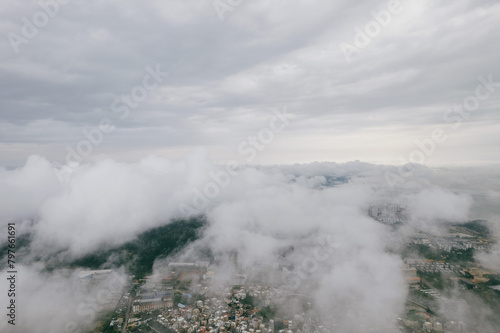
pixel 190 297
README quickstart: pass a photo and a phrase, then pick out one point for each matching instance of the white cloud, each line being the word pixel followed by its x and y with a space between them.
pixel 435 204
pixel 260 214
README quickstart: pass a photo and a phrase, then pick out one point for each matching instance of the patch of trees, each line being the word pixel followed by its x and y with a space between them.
pixel 455 256
pixel 267 313
pixel 249 301
pixel 479 226
pixel 494 279
pixel 139 255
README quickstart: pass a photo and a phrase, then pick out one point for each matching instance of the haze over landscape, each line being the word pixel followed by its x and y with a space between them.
pixel 250 166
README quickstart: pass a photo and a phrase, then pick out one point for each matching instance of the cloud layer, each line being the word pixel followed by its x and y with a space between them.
pixel 264 214
pixel 225 76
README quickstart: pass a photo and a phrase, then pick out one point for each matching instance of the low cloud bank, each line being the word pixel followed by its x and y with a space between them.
pixel 312 217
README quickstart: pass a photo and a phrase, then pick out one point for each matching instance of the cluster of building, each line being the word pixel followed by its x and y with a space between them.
pixel 94 275
pixel 220 311
pixel 428 326
pixel 388 213
pixel 435 326
pixel 428 302
pixel 188 298
pixel 451 242
pixel 113 288
pixel 208 307
pixel 153 301
pixel 432 266
pixel 410 274
pixel 111 295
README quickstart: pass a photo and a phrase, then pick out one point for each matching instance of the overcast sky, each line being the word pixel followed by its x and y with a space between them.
pixel 232 68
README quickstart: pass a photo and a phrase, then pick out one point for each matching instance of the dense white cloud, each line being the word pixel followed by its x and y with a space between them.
pixel 24 190
pixel 106 203
pixel 258 213
pixel 58 301
pixel 435 204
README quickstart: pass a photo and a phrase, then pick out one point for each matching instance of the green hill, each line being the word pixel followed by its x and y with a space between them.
pixel 139 255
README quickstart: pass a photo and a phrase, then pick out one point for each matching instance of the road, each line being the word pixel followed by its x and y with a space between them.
pixel 125 322
pixel 424 303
